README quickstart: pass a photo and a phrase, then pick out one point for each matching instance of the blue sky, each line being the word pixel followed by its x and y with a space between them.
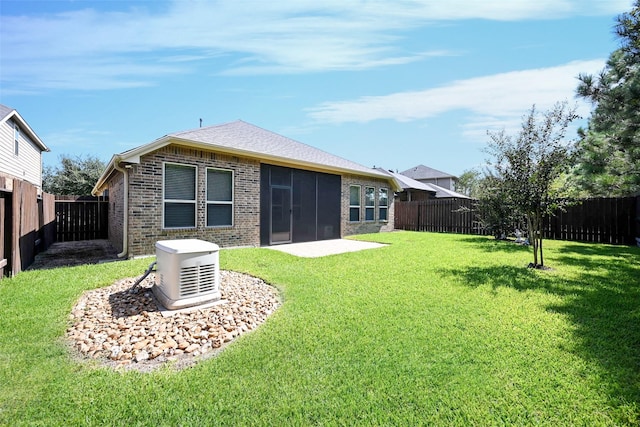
pixel 382 83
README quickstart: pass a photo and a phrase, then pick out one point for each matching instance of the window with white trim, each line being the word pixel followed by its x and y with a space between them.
pixel 219 197
pixel 354 203
pixel 383 204
pixel 369 204
pixel 16 139
pixel 179 196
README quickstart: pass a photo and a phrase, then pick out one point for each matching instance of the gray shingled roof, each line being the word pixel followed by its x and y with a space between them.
pixel 425 172
pixel 244 139
pixel 240 135
pixel 411 184
pixel 4 111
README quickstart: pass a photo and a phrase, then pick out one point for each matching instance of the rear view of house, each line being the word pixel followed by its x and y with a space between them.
pixel 237 184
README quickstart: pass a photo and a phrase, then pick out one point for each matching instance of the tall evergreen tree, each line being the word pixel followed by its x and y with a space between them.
pixel 609 150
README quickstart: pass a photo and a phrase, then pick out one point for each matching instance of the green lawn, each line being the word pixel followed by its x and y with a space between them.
pixel 434 329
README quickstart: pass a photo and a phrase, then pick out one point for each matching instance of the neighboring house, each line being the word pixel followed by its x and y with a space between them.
pixel 413 190
pixel 236 184
pixel 429 175
pixel 27 215
pixel 20 150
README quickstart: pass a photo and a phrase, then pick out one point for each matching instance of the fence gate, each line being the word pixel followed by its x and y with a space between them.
pixel 81 218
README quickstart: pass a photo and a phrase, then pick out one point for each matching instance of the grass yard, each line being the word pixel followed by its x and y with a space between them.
pixel 434 329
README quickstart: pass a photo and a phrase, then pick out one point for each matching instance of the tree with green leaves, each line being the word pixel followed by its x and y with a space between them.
pixel 467 183
pixel 74 176
pixel 609 149
pixel 525 166
pixel 494 209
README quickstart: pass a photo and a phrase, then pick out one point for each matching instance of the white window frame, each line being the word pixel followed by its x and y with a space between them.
pixel 384 207
pixel 220 202
pixel 16 139
pixel 367 206
pixel 359 205
pixel 184 201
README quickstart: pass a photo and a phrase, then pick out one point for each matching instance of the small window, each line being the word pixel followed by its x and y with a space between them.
pixel 383 204
pixel 16 138
pixel 219 198
pixel 354 203
pixel 179 196
pixel 369 203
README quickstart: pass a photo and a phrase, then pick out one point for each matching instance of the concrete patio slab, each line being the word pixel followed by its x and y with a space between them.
pixel 325 247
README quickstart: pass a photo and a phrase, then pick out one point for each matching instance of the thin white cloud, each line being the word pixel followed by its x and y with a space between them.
pixel 496 101
pixel 60 50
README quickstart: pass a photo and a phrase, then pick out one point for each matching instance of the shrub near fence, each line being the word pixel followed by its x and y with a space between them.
pixel 603 220
pixel 81 218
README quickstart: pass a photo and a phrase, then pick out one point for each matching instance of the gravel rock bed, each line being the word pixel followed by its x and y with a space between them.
pixel 121 326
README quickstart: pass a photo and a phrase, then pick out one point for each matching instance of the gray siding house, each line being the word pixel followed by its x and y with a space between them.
pixel 428 175
pixel 413 190
pixel 20 150
pixel 237 184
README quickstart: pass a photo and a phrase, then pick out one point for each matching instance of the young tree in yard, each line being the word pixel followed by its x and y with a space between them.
pixel 74 176
pixel 609 150
pixel 526 165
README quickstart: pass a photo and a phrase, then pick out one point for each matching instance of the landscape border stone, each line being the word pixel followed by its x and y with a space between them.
pixel 122 326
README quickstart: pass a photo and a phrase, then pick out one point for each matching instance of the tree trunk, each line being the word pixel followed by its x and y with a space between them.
pixel 539 237
pixel 541 256
pixel 533 238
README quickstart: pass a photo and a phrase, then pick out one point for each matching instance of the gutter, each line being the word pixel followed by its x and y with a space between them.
pixel 115 164
pixel 125 219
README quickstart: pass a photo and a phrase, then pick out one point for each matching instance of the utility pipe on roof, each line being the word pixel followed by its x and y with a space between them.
pixel 125 220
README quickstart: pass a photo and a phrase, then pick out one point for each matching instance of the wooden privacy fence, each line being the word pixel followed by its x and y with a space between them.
pixel 438 215
pixel 599 220
pixel 81 218
pixel 27 224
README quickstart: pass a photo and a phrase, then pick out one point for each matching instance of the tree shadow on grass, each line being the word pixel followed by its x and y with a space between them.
pixel 490 244
pixel 602 302
pixel 519 278
pixel 591 257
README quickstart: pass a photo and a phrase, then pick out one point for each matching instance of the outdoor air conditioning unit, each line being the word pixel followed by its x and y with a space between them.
pixel 187 273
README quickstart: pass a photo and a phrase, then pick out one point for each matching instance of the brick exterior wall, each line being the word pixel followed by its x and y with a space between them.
pixel 116 210
pixel 145 200
pixel 145 208
pixel 362 226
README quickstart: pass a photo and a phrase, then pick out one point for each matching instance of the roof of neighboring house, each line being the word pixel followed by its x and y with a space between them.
pixel 244 139
pixel 425 172
pixel 442 192
pixel 7 113
pixel 411 184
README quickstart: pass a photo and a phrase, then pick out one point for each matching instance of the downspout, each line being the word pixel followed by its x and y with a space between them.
pixel 125 220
